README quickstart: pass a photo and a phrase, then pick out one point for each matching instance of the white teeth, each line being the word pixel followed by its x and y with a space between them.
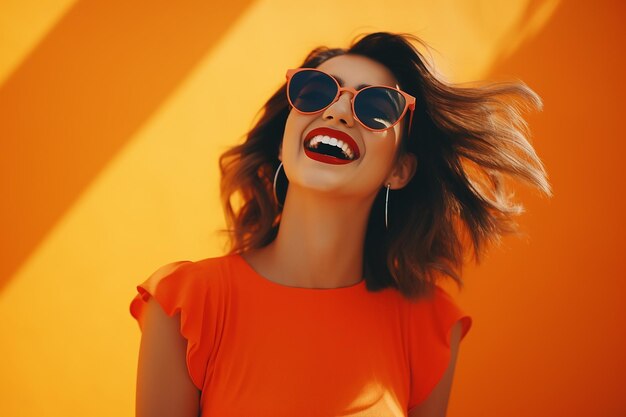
pixel 332 142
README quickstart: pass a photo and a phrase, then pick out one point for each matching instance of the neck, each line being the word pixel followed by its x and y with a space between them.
pixel 320 240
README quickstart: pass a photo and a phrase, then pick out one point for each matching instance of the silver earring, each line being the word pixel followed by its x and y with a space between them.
pixel 386 203
pixel 276 178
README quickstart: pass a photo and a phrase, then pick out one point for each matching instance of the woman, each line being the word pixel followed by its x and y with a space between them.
pixel 359 187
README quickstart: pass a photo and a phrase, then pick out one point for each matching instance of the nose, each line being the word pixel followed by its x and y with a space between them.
pixel 341 110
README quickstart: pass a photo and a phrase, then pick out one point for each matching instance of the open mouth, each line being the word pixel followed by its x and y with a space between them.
pixel 336 146
pixel 330 146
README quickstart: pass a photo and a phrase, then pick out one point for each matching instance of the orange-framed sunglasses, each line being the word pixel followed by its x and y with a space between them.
pixel 375 107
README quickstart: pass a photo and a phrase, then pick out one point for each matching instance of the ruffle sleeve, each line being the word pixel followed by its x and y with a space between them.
pixel 431 321
pixel 177 289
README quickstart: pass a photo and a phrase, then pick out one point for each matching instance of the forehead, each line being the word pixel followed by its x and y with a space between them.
pixel 356 70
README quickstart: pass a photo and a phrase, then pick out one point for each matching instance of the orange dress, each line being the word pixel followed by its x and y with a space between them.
pixel 259 348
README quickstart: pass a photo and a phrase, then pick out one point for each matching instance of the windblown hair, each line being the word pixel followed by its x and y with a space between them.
pixel 466 140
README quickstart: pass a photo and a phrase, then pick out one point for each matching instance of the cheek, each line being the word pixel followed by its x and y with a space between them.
pixel 387 153
pixel 294 128
pixel 291 123
pixel 385 144
pixel 382 152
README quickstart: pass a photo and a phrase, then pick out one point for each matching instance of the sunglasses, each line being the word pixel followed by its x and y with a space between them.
pixel 375 107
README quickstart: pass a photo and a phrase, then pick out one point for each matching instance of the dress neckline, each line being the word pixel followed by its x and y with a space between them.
pixel 265 281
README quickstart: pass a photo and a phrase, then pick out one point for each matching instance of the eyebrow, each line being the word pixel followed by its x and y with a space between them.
pixel 341 83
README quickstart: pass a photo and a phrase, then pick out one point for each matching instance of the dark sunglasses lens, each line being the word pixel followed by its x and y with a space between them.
pixel 378 107
pixel 311 91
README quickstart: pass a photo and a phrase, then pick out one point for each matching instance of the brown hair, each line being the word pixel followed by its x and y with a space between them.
pixel 465 138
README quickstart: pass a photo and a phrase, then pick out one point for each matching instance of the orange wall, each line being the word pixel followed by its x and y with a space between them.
pixel 113 114
pixel 550 338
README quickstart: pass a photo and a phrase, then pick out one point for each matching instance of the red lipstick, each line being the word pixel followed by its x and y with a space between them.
pixel 337 134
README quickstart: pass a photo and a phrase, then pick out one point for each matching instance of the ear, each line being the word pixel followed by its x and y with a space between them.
pixel 280 152
pixel 403 171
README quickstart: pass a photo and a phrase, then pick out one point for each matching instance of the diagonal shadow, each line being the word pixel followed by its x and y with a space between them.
pixel 81 93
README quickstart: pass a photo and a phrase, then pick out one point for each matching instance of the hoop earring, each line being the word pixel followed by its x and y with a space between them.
pixel 276 178
pixel 386 209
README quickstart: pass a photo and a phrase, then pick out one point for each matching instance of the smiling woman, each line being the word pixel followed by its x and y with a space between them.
pixel 356 186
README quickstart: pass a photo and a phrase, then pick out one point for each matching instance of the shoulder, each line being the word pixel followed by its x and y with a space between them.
pixel 200 273
pixel 166 270
pixel 438 310
pixel 191 284
pixel 215 264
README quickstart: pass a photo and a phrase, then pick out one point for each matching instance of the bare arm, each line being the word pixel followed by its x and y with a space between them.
pixel 437 402
pixel 164 387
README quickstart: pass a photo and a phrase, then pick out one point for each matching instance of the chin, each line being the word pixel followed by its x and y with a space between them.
pixel 317 182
